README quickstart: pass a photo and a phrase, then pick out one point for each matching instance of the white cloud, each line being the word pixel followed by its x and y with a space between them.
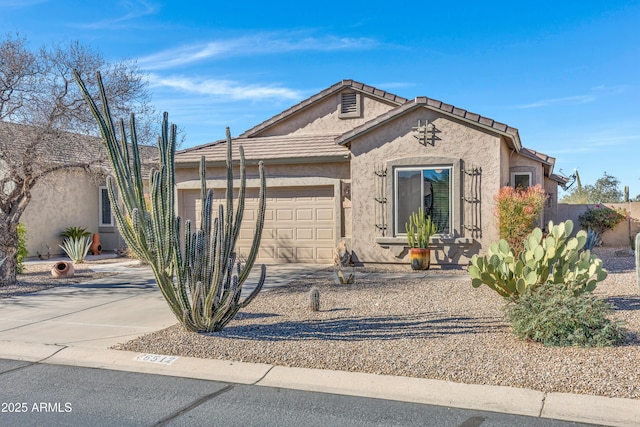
pixel 135 9
pixel 567 100
pixel 598 142
pixel 259 44
pixel 227 88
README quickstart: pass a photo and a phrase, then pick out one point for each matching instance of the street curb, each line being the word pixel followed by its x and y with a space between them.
pixel 511 400
pixel 592 409
pixel 417 390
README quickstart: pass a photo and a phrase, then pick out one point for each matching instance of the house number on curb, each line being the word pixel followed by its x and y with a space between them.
pixel 155 358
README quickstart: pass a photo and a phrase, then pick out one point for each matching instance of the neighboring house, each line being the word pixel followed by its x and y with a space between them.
pixel 352 162
pixel 74 197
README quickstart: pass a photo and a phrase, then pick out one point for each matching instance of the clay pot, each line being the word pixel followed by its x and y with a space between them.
pixel 62 269
pixel 420 258
pixel 96 247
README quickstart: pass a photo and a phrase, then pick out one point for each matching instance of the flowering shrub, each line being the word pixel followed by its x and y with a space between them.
pixel 517 211
pixel 602 218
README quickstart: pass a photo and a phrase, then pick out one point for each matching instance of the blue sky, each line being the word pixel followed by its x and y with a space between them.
pixel 566 74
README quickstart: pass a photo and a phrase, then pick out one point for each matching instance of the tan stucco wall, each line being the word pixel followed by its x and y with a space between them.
pixel 619 236
pixel 520 163
pixel 475 147
pixel 65 199
pixel 505 158
pixel 328 170
pixel 323 117
pixel 551 207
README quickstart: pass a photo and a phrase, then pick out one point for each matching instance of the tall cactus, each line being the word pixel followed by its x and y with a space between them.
pixel 419 229
pixel 196 277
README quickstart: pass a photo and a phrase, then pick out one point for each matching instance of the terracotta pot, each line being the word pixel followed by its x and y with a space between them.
pixel 62 269
pixel 96 247
pixel 420 258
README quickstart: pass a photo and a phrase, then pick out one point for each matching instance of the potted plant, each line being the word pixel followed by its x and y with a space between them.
pixel 419 231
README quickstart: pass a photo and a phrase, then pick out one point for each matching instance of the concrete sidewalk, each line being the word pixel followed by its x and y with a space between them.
pixel 76 325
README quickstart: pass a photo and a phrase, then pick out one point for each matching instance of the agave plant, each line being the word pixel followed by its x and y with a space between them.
pixel 76 248
pixel 75 232
pixel 593 239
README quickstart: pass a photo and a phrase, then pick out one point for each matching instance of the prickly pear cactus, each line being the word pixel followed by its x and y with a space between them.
pixel 198 274
pixel 555 258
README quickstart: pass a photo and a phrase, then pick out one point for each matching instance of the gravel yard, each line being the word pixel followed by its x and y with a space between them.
pixel 433 325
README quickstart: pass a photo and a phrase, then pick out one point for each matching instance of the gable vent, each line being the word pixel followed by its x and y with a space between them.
pixel 349 103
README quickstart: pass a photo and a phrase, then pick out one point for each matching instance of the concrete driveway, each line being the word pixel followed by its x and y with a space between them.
pixel 110 310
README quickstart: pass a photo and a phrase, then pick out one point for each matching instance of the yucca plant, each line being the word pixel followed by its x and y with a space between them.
pixel 199 277
pixel 76 248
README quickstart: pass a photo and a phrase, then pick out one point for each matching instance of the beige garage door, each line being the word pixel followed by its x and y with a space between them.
pixel 299 223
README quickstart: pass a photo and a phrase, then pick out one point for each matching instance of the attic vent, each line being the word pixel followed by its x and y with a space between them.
pixel 349 104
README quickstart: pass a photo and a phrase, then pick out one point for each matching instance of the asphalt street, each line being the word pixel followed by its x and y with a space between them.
pixel 37 394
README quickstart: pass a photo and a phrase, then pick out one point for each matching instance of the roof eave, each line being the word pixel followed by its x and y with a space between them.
pixel 434 105
pixel 307 103
pixel 275 161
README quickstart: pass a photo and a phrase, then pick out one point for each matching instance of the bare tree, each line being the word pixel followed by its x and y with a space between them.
pixel 43 117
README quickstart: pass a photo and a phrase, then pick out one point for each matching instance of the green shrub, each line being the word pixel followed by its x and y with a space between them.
pixel 602 218
pixel 75 232
pixel 517 211
pixel 22 248
pixel 553 315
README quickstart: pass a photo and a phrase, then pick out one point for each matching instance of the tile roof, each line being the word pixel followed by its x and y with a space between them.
pixel 20 142
pixel 562 180
pixel 307 148
pixel 381 94
pixel 538 156
pixel 298 148
pixel 434 104
pixel 547 161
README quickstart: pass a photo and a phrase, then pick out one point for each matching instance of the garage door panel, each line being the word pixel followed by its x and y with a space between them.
pixel 304 254
pixel 268 233
pixel 268 215
pixel 325 234
pixel 266 253
pixel 304 214
pixel 284 234
pixel 324 254
pixel 285 253
pixel 299 223
pixel 247 234
pixel 324 214
pixel 284 214
pixel 304 234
